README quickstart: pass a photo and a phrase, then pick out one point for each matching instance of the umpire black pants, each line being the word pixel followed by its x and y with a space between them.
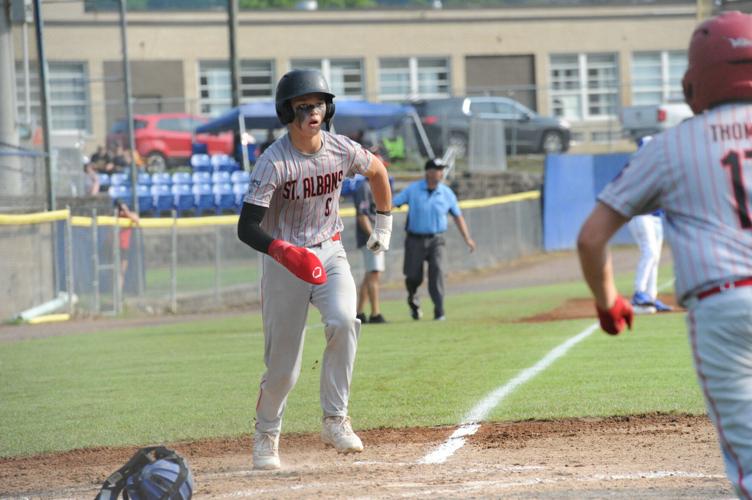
pixel 419 249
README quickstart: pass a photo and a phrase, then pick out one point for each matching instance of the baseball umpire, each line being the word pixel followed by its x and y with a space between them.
pixel 291 213
pixel 700 174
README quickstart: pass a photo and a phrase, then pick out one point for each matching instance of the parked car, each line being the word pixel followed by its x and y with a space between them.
pixel 650 119
pixel 165 139
pixel 447 122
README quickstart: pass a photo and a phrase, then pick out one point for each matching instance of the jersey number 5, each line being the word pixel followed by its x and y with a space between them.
pixel 733 160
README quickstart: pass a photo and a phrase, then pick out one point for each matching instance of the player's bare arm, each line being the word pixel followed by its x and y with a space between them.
pixel 614 312
pixel 379 179
pixel 595 259
pixel 382 196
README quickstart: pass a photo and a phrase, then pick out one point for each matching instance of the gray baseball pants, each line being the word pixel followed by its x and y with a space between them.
pixel 285 302
pixel 720 329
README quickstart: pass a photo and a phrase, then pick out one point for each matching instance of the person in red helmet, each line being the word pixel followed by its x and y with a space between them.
pixel 700 173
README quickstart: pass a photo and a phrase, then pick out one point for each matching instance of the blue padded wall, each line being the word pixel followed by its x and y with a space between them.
pixel 570 187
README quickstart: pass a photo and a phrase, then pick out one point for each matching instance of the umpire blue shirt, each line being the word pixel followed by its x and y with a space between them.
pixel 428 209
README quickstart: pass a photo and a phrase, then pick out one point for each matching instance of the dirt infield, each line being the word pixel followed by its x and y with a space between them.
pixel 646 456
pixel 652 456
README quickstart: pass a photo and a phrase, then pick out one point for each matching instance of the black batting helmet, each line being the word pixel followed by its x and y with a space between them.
pixel 300 82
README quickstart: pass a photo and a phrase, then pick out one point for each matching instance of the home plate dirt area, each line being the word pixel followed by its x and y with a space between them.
pixel 647 456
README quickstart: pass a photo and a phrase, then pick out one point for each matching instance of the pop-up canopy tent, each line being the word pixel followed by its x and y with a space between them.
pixel 349 117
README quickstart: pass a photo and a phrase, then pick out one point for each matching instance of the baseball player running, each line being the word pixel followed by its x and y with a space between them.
pixel 700 173
pixel 291 213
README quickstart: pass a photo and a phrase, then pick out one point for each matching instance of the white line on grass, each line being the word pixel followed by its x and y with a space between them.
pixel 470 425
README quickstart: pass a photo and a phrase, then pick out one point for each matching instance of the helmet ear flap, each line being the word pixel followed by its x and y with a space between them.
pixel 329 111
pixel 284 112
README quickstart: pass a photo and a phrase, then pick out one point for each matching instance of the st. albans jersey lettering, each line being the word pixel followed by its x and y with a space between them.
pixel 302 191
pixel 313 186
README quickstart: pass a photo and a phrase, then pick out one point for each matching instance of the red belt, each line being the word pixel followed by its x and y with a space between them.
pixel 729 285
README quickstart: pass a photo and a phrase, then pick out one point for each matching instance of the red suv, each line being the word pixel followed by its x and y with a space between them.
pixel 165 139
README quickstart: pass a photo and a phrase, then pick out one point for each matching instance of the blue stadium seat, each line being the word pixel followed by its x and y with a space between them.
pixel 144 179
pixel 145 199
pixel 201 163
pixel 224 163
pixel 161 178
pixel 120 179
pixel 224 198
pixel 240 177
pixel 239 189
pixel 121 192
pixel 181 178
pixel 184 200
pixel 220 178
pixel 104 181
pixel 204 198
pixel 201 177
pixel 163 199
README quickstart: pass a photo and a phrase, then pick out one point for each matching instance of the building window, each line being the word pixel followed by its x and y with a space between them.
pixel 584 86
pixel 257 82
pixel 656 76
pixel 413 78
pixel 68 94
pixel 345 76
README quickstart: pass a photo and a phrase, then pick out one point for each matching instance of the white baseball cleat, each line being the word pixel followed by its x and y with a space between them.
pixel 265 451
pixel 338 432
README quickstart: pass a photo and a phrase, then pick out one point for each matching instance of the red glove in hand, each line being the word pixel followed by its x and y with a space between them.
pixel 299 261
pixel 613 320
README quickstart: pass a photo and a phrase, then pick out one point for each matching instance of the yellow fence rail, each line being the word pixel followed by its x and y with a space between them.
pixel 214 220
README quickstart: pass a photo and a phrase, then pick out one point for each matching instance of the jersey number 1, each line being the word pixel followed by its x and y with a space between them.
pixel 733 161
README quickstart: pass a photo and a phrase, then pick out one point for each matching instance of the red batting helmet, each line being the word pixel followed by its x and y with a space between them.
pixel 720 62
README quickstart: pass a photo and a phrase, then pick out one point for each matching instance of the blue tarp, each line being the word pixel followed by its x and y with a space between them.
pixel 350 116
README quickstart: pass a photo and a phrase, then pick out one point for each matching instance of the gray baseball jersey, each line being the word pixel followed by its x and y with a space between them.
pixel 302 191
pixel 695 172
pixel 700 173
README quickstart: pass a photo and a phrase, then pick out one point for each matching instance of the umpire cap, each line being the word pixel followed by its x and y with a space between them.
pixel 435 164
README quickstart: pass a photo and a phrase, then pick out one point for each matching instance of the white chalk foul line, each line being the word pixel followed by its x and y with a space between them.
pixel 470 425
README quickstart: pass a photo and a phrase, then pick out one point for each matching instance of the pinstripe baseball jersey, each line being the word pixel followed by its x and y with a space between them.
pixel 302 191
pixel 700 173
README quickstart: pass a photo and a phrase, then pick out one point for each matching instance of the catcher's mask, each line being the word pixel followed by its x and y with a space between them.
pixel 720 62
pixel 153 473
pixel 299 82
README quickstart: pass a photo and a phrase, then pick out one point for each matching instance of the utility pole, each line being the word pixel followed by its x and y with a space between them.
pixel 44 105
pixel 10 167
pixel 128 105
pixel 232 10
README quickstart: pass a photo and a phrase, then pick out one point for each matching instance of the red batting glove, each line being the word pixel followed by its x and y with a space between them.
pixel 613 320
pixel 299 261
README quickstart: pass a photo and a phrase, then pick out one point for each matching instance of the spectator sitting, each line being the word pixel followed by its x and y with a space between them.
pixel 102 160
pixel 121 161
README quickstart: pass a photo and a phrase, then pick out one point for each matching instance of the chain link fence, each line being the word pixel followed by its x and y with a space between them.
pixel 183 265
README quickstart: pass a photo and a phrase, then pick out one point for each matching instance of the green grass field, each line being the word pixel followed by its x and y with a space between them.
pixel 200 379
